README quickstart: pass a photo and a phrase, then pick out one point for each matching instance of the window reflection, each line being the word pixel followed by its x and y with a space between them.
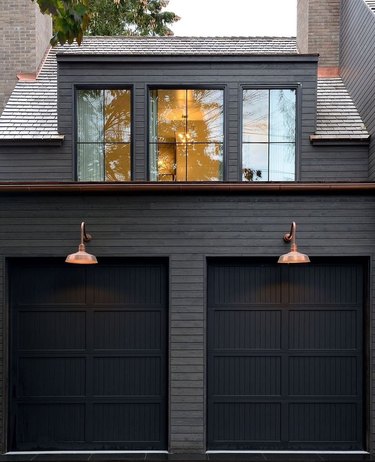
pixel 103 135
pixel 186 135
pixel 269 133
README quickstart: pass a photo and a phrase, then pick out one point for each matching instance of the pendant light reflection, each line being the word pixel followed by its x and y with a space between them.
pixel 293 256
pixel 82 257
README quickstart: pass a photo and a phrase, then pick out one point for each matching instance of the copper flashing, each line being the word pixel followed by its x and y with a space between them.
pixel 186 188
pixel 328 71
pixel 26 77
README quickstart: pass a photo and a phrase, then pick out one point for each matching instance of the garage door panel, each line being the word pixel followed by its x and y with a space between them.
pixel 52 377
pixel 127 376
pixel 323 376
pixel 39 424
pixel 323 330
pixel 89 375
pixel 285 375
pixel 244 285
pixel 127 330
pixel 322 422
pixel 255 375
pixel 126 286
pixel 51 330
pixel 326 284
pixel 251 329
pixel 129 422
pixel 247 422
pixel 45 286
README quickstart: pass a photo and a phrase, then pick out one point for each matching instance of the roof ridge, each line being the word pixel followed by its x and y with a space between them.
pixel 185 37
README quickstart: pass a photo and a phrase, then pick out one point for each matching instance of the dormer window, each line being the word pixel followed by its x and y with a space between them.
pixel 186 133
pixel 103 135
pixel 269 135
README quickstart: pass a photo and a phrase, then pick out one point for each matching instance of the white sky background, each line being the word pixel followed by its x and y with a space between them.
pixel 234 17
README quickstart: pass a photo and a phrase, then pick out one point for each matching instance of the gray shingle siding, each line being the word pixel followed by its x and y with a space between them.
pixel 358 63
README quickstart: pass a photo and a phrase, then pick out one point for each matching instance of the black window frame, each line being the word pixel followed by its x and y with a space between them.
pixel 188 86
pixel 298 119
pixel 93 86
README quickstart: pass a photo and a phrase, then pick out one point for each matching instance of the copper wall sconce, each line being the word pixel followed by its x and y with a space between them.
pixel 293 256
pixel 82 257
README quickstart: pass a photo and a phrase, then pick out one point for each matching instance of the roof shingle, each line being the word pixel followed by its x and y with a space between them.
pixel 337 116
pixel 31 112
pixel 124 45
pixel 371 4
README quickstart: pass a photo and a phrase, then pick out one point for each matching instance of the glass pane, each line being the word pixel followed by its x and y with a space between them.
pixel 166 162
pixel 171 115
pixel 255 116
pixel 282 162
pixel 90 162
pixel 117 162
pixel 255 162
pixel 205 122
pixel 153 111
pixel 283 116
pixel 90 115
pixel 117 112
pixel 204 162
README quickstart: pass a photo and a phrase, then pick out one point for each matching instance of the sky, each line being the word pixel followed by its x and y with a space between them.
pixel 235 17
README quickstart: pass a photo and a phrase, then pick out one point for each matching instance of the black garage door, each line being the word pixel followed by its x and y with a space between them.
pixel 285 356
pixel 88 356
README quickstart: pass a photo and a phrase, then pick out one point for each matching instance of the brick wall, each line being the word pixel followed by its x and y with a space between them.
pixel 318 29
pixel 25 37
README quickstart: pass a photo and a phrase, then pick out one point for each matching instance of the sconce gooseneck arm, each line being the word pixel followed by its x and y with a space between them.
pixel 291 237
pixel 85 237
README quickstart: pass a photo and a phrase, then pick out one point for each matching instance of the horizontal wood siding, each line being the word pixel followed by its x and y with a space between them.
pixel 315 163
pixel 357 61
pixel 186 229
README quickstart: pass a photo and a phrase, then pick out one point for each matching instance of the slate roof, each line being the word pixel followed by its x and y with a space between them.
pixel 129 46
pixel 31 112
pixel 337 116
pixel 371 4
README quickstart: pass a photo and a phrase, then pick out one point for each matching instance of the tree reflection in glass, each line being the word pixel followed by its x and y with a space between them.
pixel 186 135
pixel 104 135
pixel 269 135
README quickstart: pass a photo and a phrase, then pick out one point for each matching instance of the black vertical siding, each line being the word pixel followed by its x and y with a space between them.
pixel 357 61
pixel 186 229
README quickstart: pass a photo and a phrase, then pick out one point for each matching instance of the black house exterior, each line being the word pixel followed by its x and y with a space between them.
pixel 188 336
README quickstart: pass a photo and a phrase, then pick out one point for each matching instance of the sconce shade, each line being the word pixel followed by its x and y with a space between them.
pixel 82 257
pixel 293 256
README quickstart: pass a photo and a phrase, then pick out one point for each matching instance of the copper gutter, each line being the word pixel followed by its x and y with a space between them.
pixel 186 188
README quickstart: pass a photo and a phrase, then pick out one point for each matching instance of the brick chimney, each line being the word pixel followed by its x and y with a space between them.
pixel 318 31
pixel 25 39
